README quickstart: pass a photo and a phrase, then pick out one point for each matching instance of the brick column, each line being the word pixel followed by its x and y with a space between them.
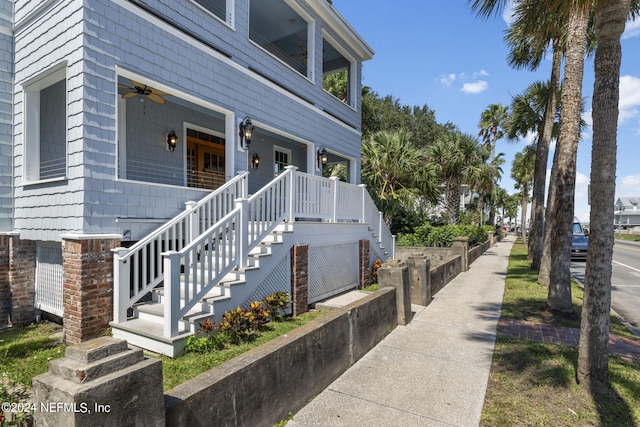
pixel 22 280
pixel 365 263
pixel 300 279
pixel 5 305
pixel 87 265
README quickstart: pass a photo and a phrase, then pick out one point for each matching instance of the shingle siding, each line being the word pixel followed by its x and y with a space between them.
pixel 98 37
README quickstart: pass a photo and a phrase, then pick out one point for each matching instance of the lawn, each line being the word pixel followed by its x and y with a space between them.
pixel 533 383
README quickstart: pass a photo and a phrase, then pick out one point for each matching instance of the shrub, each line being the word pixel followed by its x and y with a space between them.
pixel 374 269
pixel 277 303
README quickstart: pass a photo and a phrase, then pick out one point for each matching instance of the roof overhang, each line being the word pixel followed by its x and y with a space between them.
pixel 336 22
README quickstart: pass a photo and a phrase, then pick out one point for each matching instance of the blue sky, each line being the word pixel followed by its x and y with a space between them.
pixel 441 55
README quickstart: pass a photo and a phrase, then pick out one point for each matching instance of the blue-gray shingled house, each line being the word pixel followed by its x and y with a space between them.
pixel 161 162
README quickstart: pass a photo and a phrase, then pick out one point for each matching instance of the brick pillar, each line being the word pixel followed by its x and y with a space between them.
pixel 87 266
pixel 300 278
pixel 22 280
pixel 365 264
pixel 5 305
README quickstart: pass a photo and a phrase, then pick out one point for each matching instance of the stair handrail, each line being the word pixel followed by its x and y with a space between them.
pixel 139 268
pixel 230 239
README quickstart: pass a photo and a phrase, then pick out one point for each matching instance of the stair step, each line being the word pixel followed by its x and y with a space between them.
pixel 150 336
pixel 157 309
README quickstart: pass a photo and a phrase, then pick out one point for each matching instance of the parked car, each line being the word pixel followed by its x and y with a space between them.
pixel 579 242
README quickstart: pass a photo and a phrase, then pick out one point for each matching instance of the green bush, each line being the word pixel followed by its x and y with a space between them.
pixel 428 235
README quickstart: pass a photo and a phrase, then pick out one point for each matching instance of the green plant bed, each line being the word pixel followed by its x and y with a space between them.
pixel 371 288
pixel 189 365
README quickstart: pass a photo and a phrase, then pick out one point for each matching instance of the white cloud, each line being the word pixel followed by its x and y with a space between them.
pixel 632 29
pixel 581 207
pixel 475 87
pixel 629 186
pixel 481 73
pixel 448 79
pixel 507 12
pixel 629 104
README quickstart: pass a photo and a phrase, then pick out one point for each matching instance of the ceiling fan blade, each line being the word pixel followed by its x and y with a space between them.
pixel 129 95
pixel 158 91
pixel 125 86
pixel 136 84
pixel 157 98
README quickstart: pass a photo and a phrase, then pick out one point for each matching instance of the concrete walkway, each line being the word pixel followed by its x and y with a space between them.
pixel 432 372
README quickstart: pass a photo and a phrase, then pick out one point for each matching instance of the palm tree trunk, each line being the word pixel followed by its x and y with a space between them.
pixel 454 184
pixel 536 231
pixel 523 214
pixel 559 296
pixel 593 354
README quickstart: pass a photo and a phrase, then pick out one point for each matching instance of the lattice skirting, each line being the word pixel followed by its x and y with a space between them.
pixel 332 269
pixel 278 280
pixel 49 278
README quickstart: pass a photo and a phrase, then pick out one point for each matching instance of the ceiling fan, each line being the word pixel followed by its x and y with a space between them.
pixel 154 95
pixel 303 54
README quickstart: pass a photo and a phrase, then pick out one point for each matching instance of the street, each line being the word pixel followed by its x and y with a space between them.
pixel 625 280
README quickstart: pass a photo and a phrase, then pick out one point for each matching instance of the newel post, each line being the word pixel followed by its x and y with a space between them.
pixel 121 285
pixel 363 201
pixel 291 193
pixel 242 233
pixel 334 191
pixel 171 292
pixel 380 224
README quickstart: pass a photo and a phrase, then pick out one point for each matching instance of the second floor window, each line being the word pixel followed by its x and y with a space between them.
pixel 280 30
pixel 217 7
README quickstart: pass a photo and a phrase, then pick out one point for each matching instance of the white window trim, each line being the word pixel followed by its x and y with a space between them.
pixel 311 45
pixel 229 13
pixel 31 123
pixel 282 150
pixel 353 86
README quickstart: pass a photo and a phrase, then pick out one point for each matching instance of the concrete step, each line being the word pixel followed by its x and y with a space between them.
pixel 149 336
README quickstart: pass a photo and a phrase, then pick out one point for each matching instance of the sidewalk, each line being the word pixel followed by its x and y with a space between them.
pixel 431 372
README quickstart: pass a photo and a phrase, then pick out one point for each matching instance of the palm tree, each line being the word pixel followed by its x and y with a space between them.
pixel 529 37
pixel 396 173
pixel 528 113
pixel 500 201
pixel 522 170
pixel 610 17
pixel 483 178
pixel 454 155
pixel 492 125
pixel 593 355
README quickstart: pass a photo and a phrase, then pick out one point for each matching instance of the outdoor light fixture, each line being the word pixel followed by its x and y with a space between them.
pixel 246 133
pixel 255 161
pixel 172 140
pixel 323 157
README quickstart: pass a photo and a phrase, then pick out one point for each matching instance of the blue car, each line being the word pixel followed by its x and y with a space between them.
pixel 579 242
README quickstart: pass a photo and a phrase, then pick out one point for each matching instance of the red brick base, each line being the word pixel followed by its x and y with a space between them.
pixel 365 263
pixel 300 279
pixel 21 276
pixel 87 266
pixel 5 295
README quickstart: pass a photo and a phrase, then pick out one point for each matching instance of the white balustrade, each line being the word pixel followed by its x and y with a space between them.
pixel 214 237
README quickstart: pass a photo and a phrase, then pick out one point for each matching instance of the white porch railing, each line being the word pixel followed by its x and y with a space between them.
pixel 216 248
pixel 139 269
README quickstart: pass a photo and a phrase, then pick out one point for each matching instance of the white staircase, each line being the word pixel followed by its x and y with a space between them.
pixel 212 257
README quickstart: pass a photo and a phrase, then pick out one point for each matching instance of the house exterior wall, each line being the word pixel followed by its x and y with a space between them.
pixel 97 39
pixel 6 116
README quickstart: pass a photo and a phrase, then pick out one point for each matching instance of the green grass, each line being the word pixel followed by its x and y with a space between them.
pixel 632 237
pixel 533 383
pixel 189 365
pixel 25 352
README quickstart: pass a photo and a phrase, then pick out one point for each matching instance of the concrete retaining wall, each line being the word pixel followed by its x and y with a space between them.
pixel 262 386
pixel 442 273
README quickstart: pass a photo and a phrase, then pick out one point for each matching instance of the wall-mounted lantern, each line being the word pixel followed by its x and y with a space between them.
pixel 322 157
pixel 246 133
pixel 255 161
pixel 172 140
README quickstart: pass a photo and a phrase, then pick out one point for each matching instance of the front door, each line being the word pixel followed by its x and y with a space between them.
pixel 205 160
